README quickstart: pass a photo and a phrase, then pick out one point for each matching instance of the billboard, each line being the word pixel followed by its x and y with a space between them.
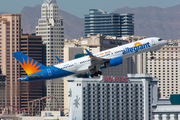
pixel 116 79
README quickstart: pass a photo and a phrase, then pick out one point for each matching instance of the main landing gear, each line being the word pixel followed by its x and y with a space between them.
pixel 152 55
pixel 96 74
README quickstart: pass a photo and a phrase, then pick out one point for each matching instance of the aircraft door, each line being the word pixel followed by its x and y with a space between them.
pixel 49 72
pixel 153 42
pixel 75 65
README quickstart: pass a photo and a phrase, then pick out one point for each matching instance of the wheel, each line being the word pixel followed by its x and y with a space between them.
pixel 96 74
pixel 99 72
pixel 92 76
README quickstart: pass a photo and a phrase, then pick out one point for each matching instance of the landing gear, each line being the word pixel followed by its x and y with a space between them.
pixel 96 74
pixel 152 55
pixel 99 72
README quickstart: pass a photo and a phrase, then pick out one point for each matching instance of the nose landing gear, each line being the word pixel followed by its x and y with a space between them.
pixel 152 55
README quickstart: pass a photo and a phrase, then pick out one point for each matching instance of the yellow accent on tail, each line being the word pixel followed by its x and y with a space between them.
pixel 29 68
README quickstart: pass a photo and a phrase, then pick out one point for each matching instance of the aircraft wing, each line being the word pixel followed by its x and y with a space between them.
pixel 96 61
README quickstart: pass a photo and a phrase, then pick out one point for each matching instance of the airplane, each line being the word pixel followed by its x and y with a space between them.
pixel 91 63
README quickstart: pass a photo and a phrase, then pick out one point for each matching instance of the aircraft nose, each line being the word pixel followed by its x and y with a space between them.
pixel 165 42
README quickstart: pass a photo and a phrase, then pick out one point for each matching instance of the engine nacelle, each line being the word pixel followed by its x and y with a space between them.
pixel 114 62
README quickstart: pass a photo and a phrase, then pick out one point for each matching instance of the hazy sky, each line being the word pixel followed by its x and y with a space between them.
pixel 81 7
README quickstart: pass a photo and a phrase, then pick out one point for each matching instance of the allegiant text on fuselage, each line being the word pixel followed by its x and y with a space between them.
pixel 135 48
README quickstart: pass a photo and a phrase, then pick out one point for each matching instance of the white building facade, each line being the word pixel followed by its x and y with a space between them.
pixel 167 112
pixel 51 28
pixel 112 97
pixel 166 66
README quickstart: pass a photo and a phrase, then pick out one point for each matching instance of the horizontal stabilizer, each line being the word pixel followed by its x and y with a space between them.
pixel 34 76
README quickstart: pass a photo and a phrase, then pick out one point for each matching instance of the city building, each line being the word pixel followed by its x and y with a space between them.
pixel 165 66
pixel 45 115
pixel 71 52
pixel 10 34
pixel 51 28
pixel 166 112
pixel 2 91
pixel 167 109
pixel 113 24
pixel 31 46
pixel 112 97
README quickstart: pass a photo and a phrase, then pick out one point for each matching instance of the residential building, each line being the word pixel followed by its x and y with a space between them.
pixel 2 91
pixel 31 46
pixel 51 28
pixel 113 24
pixel 112 97
pixel 10 34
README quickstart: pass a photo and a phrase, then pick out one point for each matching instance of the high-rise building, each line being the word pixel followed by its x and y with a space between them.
pixel 2 91
pixel 166 66
pixel 51 28
pixel 113 24
pixel 31 46
pixel 112 97
pixel 10 33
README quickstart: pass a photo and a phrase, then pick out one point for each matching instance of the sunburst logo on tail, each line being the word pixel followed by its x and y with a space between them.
pixel 29 68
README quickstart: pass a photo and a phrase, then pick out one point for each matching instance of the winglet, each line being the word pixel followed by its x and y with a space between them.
pixel 89 53
pixel 60 61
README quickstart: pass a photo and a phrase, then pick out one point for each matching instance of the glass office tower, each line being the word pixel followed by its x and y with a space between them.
pixel 113 24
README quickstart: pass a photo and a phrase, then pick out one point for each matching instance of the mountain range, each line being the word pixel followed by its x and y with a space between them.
pixel 3 12
pixel 155 22
pixel 73 26
pixel 148 21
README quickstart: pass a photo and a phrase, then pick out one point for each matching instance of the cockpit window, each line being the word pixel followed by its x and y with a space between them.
pixel 159 39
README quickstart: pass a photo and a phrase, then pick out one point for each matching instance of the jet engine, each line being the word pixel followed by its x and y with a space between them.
pixel 113 62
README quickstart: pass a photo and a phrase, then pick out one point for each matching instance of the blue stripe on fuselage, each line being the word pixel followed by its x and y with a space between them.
pixel 49 73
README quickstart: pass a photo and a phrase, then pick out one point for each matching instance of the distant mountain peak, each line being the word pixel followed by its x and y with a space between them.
pixel 154 21
pixel 74 26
